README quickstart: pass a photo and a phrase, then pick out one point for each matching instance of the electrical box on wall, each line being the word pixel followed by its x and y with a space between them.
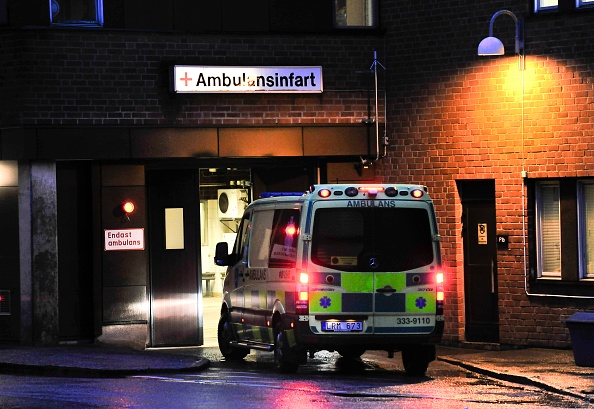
pixel 231 203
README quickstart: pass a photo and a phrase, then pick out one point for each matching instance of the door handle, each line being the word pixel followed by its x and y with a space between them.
pixel 386 290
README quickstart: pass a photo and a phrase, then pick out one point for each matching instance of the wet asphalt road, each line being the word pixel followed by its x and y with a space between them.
pixel 326 381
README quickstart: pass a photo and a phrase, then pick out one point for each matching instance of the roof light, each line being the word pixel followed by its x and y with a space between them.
pixel 391 191
pixel 351 191
pixel 371 189
pixel 324 193
pixel 417 193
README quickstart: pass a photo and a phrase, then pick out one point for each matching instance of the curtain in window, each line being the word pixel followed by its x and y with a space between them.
pixel 550 231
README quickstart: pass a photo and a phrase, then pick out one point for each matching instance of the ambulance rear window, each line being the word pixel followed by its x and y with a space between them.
pixel 372 239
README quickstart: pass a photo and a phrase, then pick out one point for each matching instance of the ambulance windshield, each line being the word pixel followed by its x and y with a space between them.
pixel 372 239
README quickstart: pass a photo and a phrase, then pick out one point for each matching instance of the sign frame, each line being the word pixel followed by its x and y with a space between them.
pixel 209 79
pixel 131 239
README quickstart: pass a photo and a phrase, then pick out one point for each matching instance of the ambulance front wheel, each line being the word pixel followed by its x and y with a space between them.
pixel 225 337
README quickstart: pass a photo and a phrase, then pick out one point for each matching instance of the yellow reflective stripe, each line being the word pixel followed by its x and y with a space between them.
pixel 395 280
pixel 357 282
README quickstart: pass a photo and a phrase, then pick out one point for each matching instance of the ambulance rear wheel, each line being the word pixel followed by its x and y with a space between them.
pixel 284 360
pixel 416 360
pixel 225 337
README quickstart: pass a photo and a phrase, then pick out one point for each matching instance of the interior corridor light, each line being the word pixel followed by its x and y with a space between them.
pixel 493 46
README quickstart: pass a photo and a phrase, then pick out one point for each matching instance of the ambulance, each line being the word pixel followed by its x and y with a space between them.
pixel 344 268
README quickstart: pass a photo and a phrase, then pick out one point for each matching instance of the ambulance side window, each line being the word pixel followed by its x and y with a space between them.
pixel 260 238
pixel 283 243
pixel 239 248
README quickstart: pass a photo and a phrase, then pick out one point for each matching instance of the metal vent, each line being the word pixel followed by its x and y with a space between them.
pixel 4 302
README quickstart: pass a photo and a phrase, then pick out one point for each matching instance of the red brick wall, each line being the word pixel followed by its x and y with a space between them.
pixel 456 116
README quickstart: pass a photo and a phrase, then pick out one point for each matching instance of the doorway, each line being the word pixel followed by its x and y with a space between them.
pixel 175 275
pixel 75 258
pixel 480 260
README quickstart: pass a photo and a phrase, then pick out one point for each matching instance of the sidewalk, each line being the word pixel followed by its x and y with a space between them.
pixel 549 369
pixel 94 361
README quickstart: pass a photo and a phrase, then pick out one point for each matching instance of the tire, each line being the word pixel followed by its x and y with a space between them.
pixel 351 353
pixel 284 360
pixel 416 360
pixel 225 336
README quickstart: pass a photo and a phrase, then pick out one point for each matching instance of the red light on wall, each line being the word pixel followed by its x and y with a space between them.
pixel 128 207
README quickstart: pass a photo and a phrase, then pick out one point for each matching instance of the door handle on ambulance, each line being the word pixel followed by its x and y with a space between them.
pixel 386 289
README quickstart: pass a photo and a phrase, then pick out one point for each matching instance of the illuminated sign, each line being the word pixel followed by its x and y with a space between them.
pixel 124 239
pixel 215 79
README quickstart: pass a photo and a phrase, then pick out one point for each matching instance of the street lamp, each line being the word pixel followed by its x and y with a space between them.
pixel 493 46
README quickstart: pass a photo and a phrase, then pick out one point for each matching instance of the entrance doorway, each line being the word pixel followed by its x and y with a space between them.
pixel 175 285
pixel 480 260
pixel 75 257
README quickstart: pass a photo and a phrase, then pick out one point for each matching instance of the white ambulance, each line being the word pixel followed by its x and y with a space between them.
pixel 344 268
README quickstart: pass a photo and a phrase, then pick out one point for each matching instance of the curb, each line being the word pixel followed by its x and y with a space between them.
pixel 519 379
pixel 80 372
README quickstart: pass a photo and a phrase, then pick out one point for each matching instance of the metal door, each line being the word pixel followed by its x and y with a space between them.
pixel 480 260
pixel 175 284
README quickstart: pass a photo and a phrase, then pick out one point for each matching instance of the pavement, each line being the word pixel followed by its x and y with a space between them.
pixel 554 370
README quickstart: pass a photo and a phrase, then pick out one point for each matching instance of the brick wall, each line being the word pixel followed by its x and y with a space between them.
pixel 457 116
pixel 118 78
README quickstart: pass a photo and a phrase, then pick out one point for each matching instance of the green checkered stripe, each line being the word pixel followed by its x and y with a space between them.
pixel 356 293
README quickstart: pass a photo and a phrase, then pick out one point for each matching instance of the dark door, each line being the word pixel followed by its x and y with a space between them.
pixel 174 258
pixel 75 263
pixel 480 260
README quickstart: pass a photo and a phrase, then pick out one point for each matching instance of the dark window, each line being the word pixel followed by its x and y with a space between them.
pixel 76 12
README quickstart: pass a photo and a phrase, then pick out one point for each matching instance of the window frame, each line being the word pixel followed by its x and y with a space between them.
pixel 540 245
pixel 584 274
pixel 538 8
pixel 374 18
pixel 97 22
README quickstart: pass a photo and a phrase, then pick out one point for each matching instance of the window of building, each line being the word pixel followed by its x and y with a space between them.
pixel 553 5
pixel 548 230
pixel 541 5
pixel 76 12
pixel 586 229
pixel 355 13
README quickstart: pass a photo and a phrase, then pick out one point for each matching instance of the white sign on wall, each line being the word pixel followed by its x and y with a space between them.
pixel 216 79
pixel 124 239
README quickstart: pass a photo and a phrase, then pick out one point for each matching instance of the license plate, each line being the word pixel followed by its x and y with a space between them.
pixel 342 326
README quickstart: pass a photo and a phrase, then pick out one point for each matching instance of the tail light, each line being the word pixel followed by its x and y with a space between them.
pixel 302 295
pixel 440 296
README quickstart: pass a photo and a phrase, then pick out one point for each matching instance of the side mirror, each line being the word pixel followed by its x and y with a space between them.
pixel 222 254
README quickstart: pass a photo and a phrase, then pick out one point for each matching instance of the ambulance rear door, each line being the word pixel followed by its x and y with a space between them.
pixel 373 266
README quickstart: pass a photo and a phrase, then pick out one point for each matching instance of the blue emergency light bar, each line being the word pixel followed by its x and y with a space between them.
pixel 266 195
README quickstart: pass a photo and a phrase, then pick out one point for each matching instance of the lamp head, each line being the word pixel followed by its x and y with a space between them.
pixel 491 46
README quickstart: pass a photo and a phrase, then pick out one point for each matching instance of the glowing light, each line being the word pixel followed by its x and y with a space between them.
pixel 417 193
pixel 324 193
pixel 439 278
pixel 128 207
pixel 303 278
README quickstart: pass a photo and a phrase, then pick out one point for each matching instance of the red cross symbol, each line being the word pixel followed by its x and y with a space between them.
pixel 186 79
